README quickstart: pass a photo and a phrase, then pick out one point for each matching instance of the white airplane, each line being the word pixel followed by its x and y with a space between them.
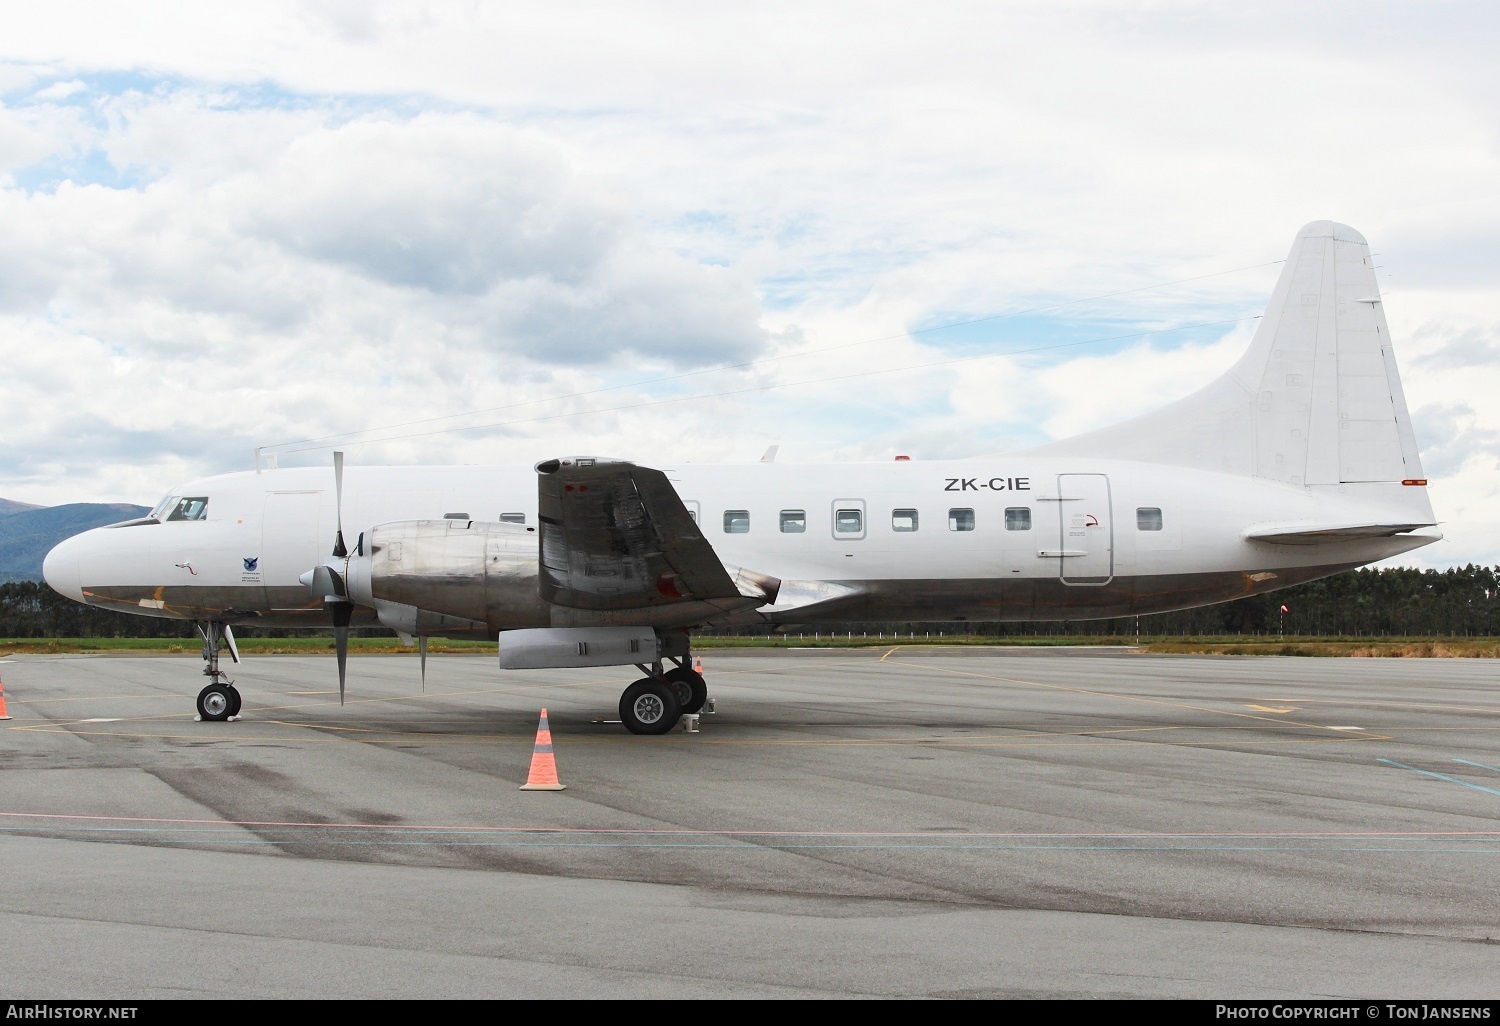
pixel 1298 463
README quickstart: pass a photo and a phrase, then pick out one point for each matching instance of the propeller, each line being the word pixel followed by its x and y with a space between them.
pixel 339 551
pixel 327 579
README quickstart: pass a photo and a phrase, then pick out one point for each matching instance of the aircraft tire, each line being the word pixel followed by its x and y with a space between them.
pixel 234 701
pixel 692 692
pixel 216 701
pixel 650 706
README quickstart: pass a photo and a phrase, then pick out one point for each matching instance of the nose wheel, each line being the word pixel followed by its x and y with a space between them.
pixel 219 701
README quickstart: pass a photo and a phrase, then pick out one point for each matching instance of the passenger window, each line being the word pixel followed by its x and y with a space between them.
pixel 793 521
pixel 1017 518
pixel 736 521
pixel 848 521
pixel 903 520
pixel 1148 518
pixel 513 518
pixel 960 520
pixel 190 509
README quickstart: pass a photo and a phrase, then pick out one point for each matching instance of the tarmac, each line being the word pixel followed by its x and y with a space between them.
pixel 914 822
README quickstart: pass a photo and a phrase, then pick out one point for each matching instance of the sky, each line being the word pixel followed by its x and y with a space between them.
pixel 478 233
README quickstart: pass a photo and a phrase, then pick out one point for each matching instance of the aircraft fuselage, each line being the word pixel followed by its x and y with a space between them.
pixel 995 539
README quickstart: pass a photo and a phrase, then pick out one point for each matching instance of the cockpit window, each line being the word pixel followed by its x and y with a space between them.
pixel 189 508
pixel 166 503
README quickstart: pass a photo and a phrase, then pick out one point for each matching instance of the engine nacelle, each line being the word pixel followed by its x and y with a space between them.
pixel 449 576
pixel 553 647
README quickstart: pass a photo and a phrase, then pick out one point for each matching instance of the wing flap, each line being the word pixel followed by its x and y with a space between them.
pixel 616 536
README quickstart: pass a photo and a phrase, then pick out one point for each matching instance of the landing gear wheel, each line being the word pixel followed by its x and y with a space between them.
pixel 216 701
pixel 234 701
pixel 692 692
pixel 650 706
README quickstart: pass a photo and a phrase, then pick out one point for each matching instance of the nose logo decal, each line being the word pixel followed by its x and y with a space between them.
pixel 251 564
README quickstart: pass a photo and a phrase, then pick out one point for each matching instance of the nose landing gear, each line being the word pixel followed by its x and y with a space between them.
pixel 220 699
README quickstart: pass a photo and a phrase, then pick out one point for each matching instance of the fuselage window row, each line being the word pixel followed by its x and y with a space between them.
pixel 903 521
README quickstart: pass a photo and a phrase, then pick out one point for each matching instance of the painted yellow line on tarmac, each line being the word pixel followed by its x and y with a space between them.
pixel 1378 703
pixel 1119 697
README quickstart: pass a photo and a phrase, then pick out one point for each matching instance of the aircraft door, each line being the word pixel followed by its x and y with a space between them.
pixel 292 543
pixel 1086 529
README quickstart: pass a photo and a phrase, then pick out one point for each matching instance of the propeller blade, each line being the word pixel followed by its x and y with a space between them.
pixel 339 550
pixel 422 648
pixel 342 613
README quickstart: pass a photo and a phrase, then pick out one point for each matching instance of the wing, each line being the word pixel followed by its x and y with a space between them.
pixel 617 542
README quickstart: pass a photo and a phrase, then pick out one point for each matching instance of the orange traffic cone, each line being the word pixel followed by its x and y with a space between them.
pixel 543 776
pixel 3 715
pixel 698 665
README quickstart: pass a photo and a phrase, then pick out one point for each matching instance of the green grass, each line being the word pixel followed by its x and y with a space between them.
pixel 1233 644
pixel 1399 647
pixel 258 646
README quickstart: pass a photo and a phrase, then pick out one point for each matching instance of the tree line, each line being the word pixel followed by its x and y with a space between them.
pixel 1397 601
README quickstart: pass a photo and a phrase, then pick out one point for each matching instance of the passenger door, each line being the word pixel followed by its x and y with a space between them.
pixel 1086 529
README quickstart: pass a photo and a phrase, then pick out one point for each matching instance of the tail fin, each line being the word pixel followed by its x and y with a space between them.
pixel 1316 400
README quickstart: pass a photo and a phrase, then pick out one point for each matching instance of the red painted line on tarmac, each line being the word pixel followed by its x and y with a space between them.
pixel 740 833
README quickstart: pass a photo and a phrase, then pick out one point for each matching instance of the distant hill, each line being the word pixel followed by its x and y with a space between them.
pixel 12 506
pixel 27 532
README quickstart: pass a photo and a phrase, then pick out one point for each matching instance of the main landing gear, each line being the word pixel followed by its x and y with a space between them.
pixel 220 700
pixel 654 704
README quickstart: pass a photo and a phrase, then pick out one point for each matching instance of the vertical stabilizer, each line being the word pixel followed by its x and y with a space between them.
pixel 1315 400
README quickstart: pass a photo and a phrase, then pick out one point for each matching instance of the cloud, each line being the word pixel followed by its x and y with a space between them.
pixel 423 260
pixel 1452 438
pixel 446 204
pixel 1473 346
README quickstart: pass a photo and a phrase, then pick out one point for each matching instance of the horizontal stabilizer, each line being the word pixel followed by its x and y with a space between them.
pixel 1304 532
